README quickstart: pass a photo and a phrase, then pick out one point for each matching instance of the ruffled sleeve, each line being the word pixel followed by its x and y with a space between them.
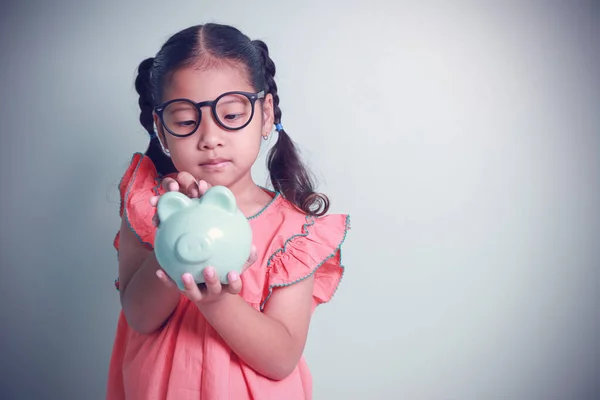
pixel 139 183
pixel 314 251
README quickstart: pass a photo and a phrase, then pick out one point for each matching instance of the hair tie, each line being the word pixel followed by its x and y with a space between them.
pixel 278 127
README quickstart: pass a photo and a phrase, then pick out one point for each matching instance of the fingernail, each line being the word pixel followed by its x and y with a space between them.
pixel 233 276
pixel 159 273
pixel 187 278
pixel 209 272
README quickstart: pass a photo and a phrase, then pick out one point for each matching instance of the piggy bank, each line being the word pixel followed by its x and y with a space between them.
pixel 196 233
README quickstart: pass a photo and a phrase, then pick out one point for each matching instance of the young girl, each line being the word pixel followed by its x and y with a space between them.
pixel 207 100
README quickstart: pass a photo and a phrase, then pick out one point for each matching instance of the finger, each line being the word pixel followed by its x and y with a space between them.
pixel 154 201
pixel 203 186
pixel 165 278
pixel 170 185
pixel 192 291
pixel 251 259
pixel 188 184
pixel 213 284
pixel 235 283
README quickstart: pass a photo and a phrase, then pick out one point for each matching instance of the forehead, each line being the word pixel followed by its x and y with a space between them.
pixel 201 84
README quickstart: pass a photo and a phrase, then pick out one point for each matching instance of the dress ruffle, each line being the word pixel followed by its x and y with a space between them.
pixel 140 182
pixel 315 251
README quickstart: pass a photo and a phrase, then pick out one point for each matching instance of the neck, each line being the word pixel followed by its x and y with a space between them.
pixel 250 198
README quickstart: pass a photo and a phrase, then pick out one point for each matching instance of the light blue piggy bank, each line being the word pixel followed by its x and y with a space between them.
pixel 196 233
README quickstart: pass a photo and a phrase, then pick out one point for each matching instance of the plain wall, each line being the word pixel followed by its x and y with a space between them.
pixel 462 138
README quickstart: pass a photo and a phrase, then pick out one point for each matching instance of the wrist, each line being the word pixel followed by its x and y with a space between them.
pixel 154 267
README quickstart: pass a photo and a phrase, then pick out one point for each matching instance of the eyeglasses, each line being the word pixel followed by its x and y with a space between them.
pixel 232 110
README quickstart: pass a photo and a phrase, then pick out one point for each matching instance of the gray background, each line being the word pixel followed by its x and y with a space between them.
pixel 462 138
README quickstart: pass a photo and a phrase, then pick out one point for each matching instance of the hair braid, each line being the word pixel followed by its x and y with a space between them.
pixel 143 85
pixel 288 174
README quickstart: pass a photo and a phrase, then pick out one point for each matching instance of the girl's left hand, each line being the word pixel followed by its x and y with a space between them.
pixel 212 290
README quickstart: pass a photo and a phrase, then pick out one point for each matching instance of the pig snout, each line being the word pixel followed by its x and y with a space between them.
pixel 193 248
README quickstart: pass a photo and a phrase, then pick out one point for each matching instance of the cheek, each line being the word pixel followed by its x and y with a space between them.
pixel 253 135
pixel 183 152
pixel 248 146
pixel 178 146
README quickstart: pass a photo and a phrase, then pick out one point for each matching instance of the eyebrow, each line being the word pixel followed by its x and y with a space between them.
pixel 231 101
pixel 181 108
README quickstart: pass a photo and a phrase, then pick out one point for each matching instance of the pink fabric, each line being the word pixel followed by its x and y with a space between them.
pixel 187 359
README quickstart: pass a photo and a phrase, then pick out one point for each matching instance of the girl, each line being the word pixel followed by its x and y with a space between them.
pixel 207 100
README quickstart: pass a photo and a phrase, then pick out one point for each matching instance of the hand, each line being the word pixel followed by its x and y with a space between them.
pixel 186 184
pixel 183 182
pixel 212 290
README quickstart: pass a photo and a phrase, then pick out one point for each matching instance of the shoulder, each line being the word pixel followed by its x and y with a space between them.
pixel 286 224
pixel 282 217
pixel 298 246
pixel 139 183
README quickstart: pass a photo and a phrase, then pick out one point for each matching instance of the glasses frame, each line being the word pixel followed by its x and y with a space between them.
pixel 252 97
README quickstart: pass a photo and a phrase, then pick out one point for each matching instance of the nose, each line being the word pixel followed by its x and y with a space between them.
pixel 210 132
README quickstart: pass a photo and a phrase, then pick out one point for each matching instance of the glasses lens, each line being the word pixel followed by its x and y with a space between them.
pixel 181 117
pixel 234 110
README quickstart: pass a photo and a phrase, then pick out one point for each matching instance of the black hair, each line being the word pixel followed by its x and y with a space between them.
pixel 214 43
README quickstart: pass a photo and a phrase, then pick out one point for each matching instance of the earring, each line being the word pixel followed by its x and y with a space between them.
pixel 265 137
pixel 166 151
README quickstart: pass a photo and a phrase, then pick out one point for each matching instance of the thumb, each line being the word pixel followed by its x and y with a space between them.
pixel 251 259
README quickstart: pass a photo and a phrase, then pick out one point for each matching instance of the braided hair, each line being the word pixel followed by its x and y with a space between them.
pixel 163 164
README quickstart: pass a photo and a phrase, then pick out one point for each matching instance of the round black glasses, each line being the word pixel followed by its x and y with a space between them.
pixel 232 110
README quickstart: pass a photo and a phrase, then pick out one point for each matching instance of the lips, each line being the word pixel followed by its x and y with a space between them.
pixel 215 163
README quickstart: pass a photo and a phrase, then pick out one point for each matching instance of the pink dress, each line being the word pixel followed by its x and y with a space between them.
pixel 187 359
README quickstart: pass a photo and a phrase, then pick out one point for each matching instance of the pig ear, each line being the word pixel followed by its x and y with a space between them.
pixel 221 197
pixel 171 202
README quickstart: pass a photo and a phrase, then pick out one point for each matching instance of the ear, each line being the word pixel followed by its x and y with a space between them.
pixel 160 131
pixel 221 197
pixel 268 116
pixel 171 202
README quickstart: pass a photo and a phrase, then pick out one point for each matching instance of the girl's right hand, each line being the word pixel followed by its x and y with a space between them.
pixel 183 182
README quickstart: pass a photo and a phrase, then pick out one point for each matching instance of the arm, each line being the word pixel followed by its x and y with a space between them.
pixel 271 342
pixel 146 302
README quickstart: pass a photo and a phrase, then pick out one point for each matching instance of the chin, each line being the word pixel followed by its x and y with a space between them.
pixel 219 180
pixel 220 177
